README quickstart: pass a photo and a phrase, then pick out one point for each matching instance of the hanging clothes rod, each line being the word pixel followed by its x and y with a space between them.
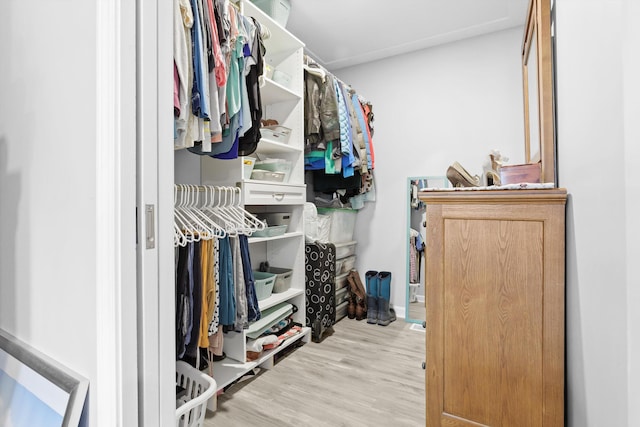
pixel 308 60
pixel 203 212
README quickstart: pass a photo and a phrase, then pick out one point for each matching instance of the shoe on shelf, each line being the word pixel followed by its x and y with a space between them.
pixel 459 177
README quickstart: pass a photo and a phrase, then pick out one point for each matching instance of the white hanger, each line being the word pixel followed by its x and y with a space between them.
pixel 218 211
pixel 181 223
pixel 195 208
pixel 251 221
pixel 179 238
pixel 238 213
pixel 196 228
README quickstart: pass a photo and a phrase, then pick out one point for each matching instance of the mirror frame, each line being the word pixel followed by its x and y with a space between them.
pixel 538 25
pixel 432 181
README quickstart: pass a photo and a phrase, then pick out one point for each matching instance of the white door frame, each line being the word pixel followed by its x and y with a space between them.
pixel 156 271
pixel 116 336
pixel 134 167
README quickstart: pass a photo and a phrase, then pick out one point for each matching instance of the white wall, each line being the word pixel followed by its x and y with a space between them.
pixel 47 179
pixel 451 103
pixel 596 164
pixel 631 61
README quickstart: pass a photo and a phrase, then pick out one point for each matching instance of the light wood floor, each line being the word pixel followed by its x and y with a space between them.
pixel 417 311
pixel 360 376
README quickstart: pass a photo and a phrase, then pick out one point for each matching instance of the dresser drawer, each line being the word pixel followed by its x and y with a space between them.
pixel 258 193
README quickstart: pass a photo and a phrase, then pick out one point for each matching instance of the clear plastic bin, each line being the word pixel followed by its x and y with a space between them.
pixel 341 279
pixel 275 166
pixel 271 231
pixel 265 175
pixel 276 133
pixel 348 264
pixel 345 249
pixel 343 223
pixel 247 166
pixel 276 218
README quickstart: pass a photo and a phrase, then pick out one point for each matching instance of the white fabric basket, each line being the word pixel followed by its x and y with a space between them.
pixel 199 389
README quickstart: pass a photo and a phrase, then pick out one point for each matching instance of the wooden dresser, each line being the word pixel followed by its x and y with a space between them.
pixel 495 307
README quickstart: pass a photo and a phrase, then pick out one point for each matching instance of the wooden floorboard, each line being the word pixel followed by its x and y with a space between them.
pixel 360 375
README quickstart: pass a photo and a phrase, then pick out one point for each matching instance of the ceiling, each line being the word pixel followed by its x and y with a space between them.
pixel 343 33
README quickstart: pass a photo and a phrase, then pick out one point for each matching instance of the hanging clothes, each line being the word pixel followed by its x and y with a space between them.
pixel 416 249
pixel 195 299
pixel 208 291
pixel 215 320
pixel 184 306
pixel 253 69
pixel 183 60
pixel 227 287
pixel 241 320
pixel 253 310
pixel 338 136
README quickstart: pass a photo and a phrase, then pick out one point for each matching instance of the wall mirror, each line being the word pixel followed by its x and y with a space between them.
pixel 538 89
pixel 416 233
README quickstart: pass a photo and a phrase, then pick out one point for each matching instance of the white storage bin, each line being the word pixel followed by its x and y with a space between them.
pixel 276 9
pixel 191 403
pixel 276 218
pixel 276 133
pixel 345 249
pixel 264 175
pixel 343 223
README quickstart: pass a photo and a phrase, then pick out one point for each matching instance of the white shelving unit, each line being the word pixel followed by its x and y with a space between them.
pixel 284 52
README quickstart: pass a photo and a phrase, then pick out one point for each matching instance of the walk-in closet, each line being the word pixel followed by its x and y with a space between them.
pixel 273 158
pixel 139 199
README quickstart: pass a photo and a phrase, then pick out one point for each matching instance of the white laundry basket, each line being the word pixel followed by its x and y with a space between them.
pixel 199 389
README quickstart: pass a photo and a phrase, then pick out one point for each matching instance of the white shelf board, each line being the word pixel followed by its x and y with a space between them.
pixel 277 298
pixel 268 354
pixel 229 370
pixel 267 146
pixel 270 239
pixel 280 40
pixel 273 93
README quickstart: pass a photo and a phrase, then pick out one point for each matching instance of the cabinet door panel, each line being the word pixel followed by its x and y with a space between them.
pixel 493 288
pixel 495 308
